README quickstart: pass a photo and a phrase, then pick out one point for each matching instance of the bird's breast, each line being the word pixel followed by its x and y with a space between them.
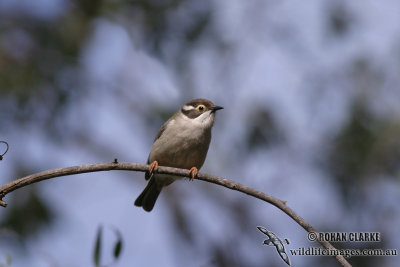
pixel 182 148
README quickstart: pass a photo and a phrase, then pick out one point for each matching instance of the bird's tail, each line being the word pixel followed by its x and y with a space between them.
pixel 149 196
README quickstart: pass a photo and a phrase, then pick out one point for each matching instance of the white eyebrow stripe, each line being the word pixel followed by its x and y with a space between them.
pixel 187 107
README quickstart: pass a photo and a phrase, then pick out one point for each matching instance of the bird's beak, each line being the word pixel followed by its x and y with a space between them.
pixel 215 108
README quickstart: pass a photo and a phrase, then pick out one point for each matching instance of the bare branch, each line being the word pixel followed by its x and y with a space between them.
pixel 280 204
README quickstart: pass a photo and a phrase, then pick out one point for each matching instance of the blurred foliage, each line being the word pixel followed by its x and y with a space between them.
pixel 263 130
pixel 28 215
pixel 339 19
pixel 40 78
pixel 40 73
pixel 161 22
pixel 7 261
pixel 367 148
pixel 99 244
pixel 39 58
pixel 38 66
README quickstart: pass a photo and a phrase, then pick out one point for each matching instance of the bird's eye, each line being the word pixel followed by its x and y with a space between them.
pixel 201 108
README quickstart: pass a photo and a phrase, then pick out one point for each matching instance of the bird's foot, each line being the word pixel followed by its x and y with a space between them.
pixel 153 166
pixel 193 173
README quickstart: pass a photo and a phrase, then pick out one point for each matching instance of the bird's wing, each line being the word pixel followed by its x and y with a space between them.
pixel 284 256
pixel 162 129
pixel 263 230
pixel 268 242
pixel 147 175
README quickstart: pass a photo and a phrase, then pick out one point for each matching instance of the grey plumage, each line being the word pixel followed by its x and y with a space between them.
pixel 181 142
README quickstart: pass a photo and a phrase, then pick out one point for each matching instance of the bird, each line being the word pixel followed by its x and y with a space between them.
pixel 182 142
pixel 274 240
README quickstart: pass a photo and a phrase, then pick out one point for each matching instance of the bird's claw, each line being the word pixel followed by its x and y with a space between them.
pixel 193 173
pixel 153 166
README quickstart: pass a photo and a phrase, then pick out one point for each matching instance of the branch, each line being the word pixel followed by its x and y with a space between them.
pixel 280 204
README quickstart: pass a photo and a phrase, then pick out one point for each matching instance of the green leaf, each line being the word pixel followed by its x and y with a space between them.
pixel 118 245
pixel 117 249
pixel 97 248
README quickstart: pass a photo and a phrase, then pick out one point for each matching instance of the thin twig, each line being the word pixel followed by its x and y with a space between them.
pixel 2 155
pixel 280 204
